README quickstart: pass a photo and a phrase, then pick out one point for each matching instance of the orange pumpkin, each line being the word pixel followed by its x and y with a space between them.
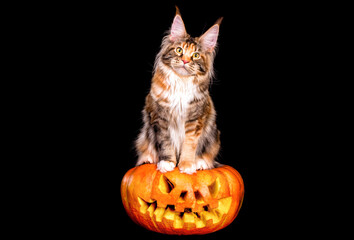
pixel 182 204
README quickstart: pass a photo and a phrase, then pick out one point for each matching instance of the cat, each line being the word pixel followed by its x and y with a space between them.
pixel 179 116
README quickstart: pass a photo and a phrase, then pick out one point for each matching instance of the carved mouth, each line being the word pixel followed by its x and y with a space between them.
pixel 188 217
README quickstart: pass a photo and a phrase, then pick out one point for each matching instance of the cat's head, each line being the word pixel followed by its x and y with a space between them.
pixel 186 55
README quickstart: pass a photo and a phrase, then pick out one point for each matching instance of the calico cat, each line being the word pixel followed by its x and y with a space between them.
pixel 179 115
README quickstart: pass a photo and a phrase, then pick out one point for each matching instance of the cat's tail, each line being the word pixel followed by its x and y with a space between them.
pixel 217 164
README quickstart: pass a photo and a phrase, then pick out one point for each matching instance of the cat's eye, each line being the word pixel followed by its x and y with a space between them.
pixel 179 50
pixel 196 55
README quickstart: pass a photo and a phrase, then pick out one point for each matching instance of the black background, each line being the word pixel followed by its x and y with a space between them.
pixel 101 75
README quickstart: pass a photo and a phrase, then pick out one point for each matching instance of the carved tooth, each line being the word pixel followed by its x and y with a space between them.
pixel 216 216
pixel 178 222
pixel 205 215
pixel 188 217
pixel 151 208
pixel 159 212
pixel 169 214
pixel 143 205
pixel 199 223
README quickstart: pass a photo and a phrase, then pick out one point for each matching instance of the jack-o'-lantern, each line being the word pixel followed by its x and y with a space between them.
pixel 179 203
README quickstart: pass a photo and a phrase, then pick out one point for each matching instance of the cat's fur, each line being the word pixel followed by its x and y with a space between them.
pixel 179 115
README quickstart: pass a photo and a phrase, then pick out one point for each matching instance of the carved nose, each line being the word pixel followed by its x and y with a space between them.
pixel 185 61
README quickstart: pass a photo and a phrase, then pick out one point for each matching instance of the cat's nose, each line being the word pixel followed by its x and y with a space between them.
pixel 185 61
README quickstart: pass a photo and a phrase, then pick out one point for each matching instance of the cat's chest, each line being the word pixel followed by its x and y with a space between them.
pixel 179 96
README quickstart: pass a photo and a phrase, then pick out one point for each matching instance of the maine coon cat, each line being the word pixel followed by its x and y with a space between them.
pixel 179 116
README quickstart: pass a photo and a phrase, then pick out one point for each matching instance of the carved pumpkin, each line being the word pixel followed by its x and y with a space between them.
pixel 182 204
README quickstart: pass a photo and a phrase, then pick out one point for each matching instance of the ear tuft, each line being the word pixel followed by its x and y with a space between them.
pixel 218 22
pixel 177 11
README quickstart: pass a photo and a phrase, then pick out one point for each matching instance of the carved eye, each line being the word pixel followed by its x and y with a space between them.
pixel 179 50
pixel 165 185
pixel 196 55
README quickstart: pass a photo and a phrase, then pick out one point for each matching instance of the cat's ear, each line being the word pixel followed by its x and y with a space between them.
pixel 178 29
pixel 209 39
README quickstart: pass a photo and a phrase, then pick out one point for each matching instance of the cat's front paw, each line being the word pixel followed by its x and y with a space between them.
pixel 187 167
pixel 165 166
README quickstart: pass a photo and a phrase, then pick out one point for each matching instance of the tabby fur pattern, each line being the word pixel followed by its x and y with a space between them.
pixel 179 116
